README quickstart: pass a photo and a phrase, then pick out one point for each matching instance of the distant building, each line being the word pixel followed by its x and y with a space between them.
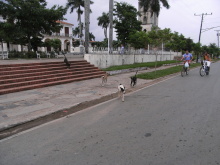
pixel 147 20
pixel 64 35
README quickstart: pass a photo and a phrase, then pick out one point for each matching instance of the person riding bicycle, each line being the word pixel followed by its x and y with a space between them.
pixel 207 59
pixel 187 57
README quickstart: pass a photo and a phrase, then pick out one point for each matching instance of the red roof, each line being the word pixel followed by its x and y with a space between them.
pixel 62 22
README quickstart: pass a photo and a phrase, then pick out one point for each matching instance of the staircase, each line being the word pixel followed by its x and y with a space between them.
pixel 20 77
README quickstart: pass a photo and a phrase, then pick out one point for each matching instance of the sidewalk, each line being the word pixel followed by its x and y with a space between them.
pixel 25 106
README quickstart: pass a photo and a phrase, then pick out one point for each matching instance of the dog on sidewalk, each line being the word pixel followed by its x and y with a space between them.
pixel 104 78
pixel 134 80
pixel 66 62
pixel 121 92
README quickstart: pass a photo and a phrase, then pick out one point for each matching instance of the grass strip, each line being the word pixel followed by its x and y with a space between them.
pixel 163 72
pixel 137 65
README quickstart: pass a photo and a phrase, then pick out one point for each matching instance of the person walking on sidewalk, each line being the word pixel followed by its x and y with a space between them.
pixel 122 51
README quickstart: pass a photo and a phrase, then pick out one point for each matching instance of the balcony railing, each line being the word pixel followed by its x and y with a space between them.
pixel 59 35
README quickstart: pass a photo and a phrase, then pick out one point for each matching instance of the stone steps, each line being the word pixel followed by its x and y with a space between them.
pixel 19 77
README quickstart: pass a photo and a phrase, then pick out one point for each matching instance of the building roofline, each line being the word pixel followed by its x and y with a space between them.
pixel 62 22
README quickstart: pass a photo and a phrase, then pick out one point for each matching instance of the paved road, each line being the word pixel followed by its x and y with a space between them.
pixel 175 122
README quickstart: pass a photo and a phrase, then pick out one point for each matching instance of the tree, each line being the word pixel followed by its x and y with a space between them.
pixel 76 31
pixel 91 37
pixel 153 5
pixel 77 5
pixel 138 39
pixel 213 49
pixel 56 44
pixel 155 40
pixel 125 21
pixel 104 22
pixel 19 14
pixel 196 47
pixel 177 42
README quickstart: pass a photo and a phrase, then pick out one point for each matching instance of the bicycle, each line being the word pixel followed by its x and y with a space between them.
pixel 204 70
pixel 185 69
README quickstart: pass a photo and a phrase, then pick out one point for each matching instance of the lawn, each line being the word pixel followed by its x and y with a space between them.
pixel 164 72
pixel 138 65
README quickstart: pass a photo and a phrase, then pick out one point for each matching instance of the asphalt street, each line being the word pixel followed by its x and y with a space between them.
pixel 174 122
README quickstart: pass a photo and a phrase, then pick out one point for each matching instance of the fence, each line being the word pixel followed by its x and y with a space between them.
pixel 102 59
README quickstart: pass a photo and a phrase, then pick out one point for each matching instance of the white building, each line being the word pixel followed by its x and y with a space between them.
pixel 64 35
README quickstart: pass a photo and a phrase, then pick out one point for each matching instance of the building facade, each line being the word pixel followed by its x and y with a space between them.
pixel 64 35
pixel 148 20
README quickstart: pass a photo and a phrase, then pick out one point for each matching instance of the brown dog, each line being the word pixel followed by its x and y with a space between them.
pixel 105 78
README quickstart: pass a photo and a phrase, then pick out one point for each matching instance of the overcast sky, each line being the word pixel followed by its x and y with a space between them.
pixel 180 17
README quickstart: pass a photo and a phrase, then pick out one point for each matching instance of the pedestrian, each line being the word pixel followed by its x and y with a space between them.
pixel 122 51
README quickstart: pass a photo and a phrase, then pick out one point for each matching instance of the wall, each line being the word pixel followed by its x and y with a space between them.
pixel 104 61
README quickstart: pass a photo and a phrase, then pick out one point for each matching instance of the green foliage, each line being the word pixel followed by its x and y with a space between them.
pixel 163 72
pixel 77 5
pixel 91 37
pixel 177 42
pixel 104 22
pixel 125 21
pixel 55 43
pixel 196 48
pixel 29 20
pixel 138 39
pixel 137 65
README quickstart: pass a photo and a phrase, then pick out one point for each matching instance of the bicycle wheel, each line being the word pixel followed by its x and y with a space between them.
pixel 202 71
pixel 183 72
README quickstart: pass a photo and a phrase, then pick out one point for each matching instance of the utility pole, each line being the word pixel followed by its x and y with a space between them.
pixel 197 57
pixel 218 34
pixel 201 23
pixel 110 37
pixel 87 22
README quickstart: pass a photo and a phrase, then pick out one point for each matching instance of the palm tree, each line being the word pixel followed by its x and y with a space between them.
pixel 76 31
pixel 77 5
pixel 153 5
pixel 104 22
pixel 91 37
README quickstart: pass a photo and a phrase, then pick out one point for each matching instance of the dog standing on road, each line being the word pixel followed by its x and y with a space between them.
pixel 134 80
pixel 121 92
pixel 104 78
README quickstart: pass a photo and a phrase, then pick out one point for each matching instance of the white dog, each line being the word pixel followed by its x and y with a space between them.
pixel 121 91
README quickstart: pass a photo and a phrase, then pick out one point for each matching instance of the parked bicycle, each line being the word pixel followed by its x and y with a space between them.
pixel 204 70
pixel 185 69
